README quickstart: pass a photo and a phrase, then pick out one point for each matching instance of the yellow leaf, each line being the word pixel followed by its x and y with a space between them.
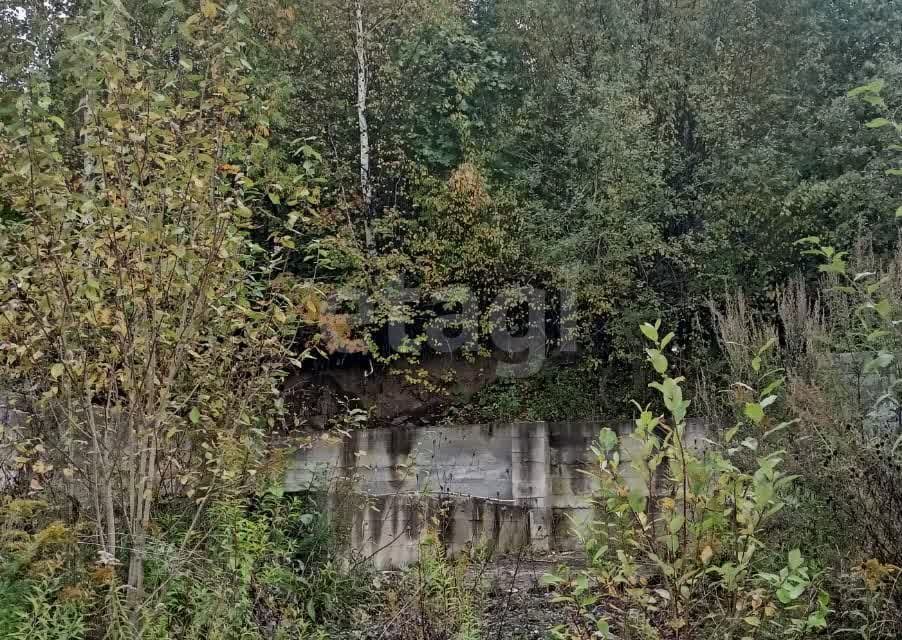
pixel 40 467
pixel 677 623
pixel 312 309
pixel 57 370
pixel 707 554
pixel 209 9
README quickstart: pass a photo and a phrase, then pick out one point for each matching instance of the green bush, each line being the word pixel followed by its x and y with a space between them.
pixel 557 393
pixel 436 599
pixel 679 532
pixel 269 568
pixel 43 594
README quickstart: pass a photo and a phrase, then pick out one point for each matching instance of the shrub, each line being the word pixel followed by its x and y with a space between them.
pixel 839 346
pixel 42 595
pixel 269 568
pixel 679 533
pixel 435 599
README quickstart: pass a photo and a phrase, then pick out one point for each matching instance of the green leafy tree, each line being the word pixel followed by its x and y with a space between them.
pixel 143 330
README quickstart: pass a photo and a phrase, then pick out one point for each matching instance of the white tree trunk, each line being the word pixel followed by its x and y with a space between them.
pixel 366 187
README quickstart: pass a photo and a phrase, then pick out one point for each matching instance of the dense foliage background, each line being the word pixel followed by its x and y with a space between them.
pixel 645 157
pixel 206 205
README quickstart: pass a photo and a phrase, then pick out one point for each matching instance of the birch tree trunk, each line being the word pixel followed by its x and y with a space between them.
pixel 366 187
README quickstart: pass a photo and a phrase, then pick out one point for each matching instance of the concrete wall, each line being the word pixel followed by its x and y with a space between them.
pixel 868 394
pixel 505 485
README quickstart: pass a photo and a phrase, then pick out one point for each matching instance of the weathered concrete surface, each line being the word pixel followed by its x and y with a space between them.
pixel 869 394
pixel 505 485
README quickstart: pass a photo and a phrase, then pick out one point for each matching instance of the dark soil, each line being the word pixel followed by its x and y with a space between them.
pixel 518 605
pixel 513 603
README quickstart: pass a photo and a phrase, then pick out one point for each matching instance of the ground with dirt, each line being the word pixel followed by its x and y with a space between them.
pixel 512 602
pixel 519 606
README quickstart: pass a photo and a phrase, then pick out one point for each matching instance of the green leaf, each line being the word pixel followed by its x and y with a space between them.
pixel 899 212
pixel 795 559
pixel 194 416
pixel 649 331
pixel 92 294
pixel 817 620
pixel 658 360
pixel 608 440
pixel 883 309
pixel 881 361
pixel 837 266
pixel 877 123
pixel 784 596
pixel 604 627
pixel 767 346
pixel 772 387
pixel 57 370
pixel 875 86
pixel 636 501
pixel 875 100
pixel 754 412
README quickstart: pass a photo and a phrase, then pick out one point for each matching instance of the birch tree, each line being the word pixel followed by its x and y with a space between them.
pixel 366 187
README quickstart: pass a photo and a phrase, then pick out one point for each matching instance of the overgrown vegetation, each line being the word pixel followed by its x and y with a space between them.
pixel 695 560
pixel 203 204
pixel 265 564
pixel 783 525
